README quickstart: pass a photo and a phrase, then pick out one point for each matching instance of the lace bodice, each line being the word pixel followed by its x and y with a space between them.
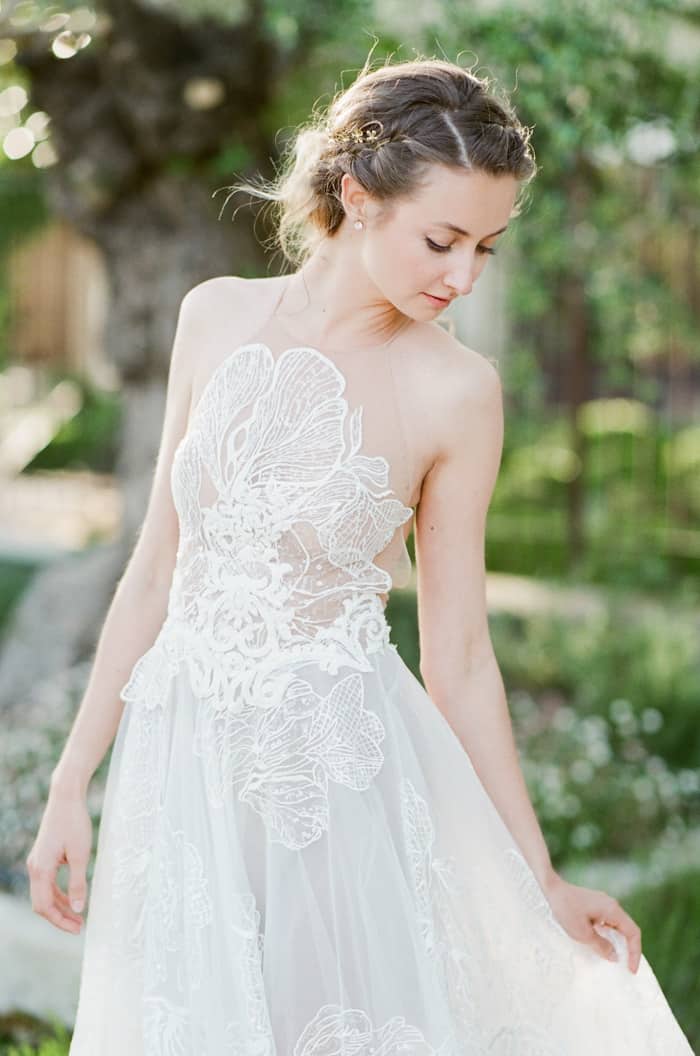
pixel 290 522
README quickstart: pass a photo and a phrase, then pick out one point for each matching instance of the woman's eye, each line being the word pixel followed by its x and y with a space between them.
pixel 439 248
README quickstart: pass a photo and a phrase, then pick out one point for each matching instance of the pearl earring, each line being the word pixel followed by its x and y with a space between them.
pixel 358 225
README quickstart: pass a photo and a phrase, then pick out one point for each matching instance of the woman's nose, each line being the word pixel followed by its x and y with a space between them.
pixel 462 280
pixel 461 284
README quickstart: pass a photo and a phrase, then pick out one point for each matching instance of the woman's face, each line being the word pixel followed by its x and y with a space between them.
pixel 436 242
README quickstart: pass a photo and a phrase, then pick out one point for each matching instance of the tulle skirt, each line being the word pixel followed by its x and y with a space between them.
pixel 327 876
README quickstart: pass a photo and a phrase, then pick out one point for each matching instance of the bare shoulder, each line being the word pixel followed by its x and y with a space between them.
pixel 218 314
pixel 456 389
pixel 466 373
pixel 217 299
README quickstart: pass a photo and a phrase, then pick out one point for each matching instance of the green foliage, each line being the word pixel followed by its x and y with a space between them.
pixel 23 209
pixel 641 497
pixel 58 1046
pixel 668 914
pixel 402 617
pixel 25 1035
pixel 22 212
pixel 88 440
pixel 625 652
pixel 604 711
pixel 606 213
pixel 15 577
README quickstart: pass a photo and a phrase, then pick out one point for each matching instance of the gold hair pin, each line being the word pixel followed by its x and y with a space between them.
pixel 358 137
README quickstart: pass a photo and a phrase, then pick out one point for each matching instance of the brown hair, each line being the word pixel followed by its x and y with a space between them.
pixel 423 111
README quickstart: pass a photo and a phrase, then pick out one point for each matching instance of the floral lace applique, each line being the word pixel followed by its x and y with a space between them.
pixel 548 954
pixel 280 523
pixel 281 759
pixel 349 1032
pixel 133 831
pixel 252 1031
pixel 434 884
pixel 169 1026
pixel 180 907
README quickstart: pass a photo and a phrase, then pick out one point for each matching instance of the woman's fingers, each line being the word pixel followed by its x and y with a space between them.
pixel 77 883
pixel 602 945
pixel 64 838
pixel 47 898
pixel 57 917
pixel 44 900
pixel 614 915
pixel 582 910
pixel 63 903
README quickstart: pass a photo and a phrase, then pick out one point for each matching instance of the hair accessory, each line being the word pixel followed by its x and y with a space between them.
pixel 358 137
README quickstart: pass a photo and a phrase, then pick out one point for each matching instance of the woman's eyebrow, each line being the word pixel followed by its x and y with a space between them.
pixel 461 231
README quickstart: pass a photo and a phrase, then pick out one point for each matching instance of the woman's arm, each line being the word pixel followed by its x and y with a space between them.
pixel 457 661
pixel 139 605
pixel 458 665
pixel 133 620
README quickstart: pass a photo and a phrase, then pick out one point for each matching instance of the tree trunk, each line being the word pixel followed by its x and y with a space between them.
pixel 119 117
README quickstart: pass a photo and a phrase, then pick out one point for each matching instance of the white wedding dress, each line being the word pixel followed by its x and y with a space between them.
pixel 296 856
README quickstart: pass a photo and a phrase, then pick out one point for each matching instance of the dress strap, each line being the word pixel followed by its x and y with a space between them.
pixel 265 318
pixel 282 280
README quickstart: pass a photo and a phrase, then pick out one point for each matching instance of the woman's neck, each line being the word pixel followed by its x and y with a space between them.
pixel 332 301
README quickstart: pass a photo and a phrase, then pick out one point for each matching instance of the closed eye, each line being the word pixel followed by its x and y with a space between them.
pixel 437 247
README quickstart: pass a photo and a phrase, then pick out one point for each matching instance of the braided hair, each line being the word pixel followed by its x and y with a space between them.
pixel 386 130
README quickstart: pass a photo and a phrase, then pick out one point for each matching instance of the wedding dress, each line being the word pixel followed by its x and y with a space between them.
pixel 296 856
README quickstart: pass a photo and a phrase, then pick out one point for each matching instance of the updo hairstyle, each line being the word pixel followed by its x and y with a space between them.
pixel 387 129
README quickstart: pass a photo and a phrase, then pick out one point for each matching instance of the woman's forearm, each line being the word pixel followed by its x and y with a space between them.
pixel 477 711
pixel 136 613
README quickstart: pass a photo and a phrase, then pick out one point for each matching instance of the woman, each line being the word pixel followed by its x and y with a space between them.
pixel 302 849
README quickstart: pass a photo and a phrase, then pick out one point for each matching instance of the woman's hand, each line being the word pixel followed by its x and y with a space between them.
pixel 65 835
pixel 577 909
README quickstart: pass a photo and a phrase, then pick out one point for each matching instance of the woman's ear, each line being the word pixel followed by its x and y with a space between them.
pixel 353 196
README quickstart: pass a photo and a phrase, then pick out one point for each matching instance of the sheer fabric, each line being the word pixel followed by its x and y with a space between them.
pixel 296 856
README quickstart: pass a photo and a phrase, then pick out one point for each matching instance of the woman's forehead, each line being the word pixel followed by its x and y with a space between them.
pixel 477 203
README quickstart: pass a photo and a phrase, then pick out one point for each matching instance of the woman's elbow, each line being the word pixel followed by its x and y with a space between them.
pixel 445 671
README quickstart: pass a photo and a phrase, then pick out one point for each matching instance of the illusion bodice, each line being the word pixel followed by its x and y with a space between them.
pixel 290 517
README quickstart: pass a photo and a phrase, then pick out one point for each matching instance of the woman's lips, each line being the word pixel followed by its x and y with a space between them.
pixel 439 301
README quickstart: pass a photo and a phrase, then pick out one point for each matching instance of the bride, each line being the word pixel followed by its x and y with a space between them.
pixel 302 848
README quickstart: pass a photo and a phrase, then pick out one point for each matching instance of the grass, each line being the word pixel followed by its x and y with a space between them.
pixel 669 916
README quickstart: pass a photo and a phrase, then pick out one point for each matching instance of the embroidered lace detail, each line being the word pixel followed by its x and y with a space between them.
pixel 280 525
pixel 279 528
pixel 349 1030
pixel 282 759
pixel 252 1031
pixel 165 943
pixel 183 908
pixel 434 884
pixel 546 956
pixel 280 518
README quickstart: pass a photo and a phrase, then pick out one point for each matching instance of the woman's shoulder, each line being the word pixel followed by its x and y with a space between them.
pixel 226 307
pixel 231 287
pixel 443 362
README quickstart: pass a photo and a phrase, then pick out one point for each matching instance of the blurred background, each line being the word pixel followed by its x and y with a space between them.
pixel 120 124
